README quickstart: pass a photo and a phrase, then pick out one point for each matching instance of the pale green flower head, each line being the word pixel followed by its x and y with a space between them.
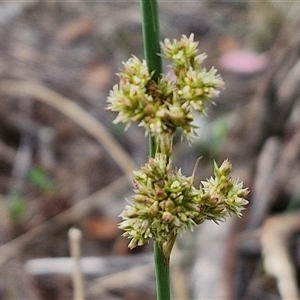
pixel 225 191
pixel 194 84
pixel 181 51
pixel 164 106
pixel 166 202
pixel 164 197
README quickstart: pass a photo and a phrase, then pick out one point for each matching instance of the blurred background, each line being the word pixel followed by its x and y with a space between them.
pixel 63 164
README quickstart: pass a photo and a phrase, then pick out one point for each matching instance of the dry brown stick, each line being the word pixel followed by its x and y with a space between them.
pixel 75 113
pixel 121 279
pixel 272 175
pixel 91 266
pixel 134 275
pixel 262 192
pixel 75 237
pixel 262 197
pixel 288 159
pixel 71 215
pixel 275 235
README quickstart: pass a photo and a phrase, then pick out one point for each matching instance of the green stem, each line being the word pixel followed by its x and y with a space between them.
pixel 162 271
pixel 151 36
pixel 151 41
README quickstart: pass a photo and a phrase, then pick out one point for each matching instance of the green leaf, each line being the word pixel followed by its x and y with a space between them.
pixel 40 179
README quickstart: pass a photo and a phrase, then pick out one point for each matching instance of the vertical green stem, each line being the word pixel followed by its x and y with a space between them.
pixel 151 36
pixel 162 272
pixel 151 41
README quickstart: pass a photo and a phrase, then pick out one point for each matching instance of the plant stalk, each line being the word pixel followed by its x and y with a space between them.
pixel 162 273
pixel 151 36
pixel 151 42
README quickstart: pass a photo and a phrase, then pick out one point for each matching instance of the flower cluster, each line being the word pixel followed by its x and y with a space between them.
pixel 221 195
pixel 194 83
pixel 168 104
pixel 166 202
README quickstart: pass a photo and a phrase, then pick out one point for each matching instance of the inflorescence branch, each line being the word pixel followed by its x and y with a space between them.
pixel 165 202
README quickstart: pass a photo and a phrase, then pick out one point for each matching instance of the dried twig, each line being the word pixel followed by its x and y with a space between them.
pixel 275 235
pixel 112 272
pixel 75 236
pixel 71 215
pixel 75 113
pixel 262 192
pixel 121 279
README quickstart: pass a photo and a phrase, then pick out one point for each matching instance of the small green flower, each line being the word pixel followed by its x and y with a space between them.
pixel 166 202
pixel 180 52
pixel 130 97
pixel 164 197
pixel 163 107
pixel 225 192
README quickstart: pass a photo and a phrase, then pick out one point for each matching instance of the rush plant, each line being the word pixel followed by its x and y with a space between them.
pixel 165 201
